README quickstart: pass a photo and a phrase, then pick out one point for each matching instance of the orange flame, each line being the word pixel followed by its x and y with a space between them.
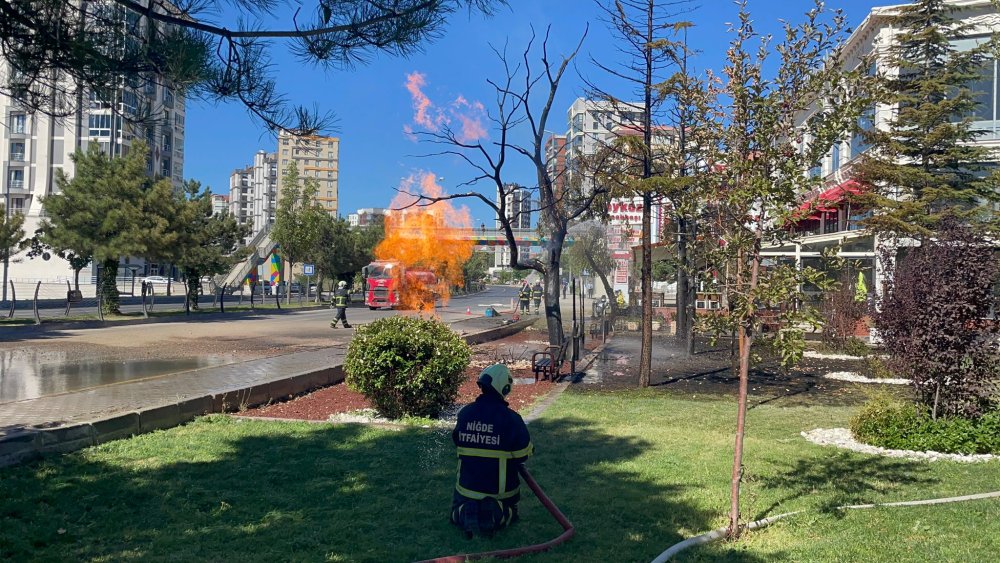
pixel 436 238
pixel 431 117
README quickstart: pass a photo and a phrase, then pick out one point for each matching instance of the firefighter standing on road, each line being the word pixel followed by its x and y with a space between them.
pixel 340 300
pixel 492 442
pixel 525 298
pixel 536 295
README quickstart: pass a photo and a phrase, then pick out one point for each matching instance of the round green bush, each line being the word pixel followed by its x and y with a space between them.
pixel 407 365
pixel 890 423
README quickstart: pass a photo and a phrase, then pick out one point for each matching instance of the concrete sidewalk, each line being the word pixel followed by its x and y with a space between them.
pixel 70 421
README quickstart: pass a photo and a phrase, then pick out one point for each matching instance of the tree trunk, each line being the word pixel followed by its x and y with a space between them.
pixel 193 281
pixel 741 413
pixel 553 313
pixel 288 283
pixel 109 287
pixel 681 294
pixel 76 278
pixel 646 280
pixel 692 292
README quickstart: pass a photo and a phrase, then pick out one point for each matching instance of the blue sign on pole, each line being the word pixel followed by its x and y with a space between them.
pixel 308 269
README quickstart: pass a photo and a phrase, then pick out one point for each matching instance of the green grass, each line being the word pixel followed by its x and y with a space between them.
pixel 635 472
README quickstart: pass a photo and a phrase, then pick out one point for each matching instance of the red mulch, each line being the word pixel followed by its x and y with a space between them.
pixel 321 403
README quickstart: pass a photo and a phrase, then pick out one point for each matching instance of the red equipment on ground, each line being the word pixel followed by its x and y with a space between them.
pixel 390 284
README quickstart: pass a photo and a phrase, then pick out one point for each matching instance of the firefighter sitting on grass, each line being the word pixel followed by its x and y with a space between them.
pixel 492 442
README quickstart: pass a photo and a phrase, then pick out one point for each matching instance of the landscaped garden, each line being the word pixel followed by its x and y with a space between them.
pixel 635 471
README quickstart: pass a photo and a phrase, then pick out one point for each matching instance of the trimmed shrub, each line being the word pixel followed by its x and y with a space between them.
pixel 406 365
pixel 890 423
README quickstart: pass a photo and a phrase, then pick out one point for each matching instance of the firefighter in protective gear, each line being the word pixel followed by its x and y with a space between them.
pixel 536 295
pixel 492 442
pixel 525 298
pixel 340 300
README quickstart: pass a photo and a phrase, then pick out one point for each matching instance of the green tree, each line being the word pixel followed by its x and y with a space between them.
pixel 298 221
pixel 100 213
pixel 646 163
pixel 214 49
pixel 11 238
pixel 764 135
pixel 924 166
pixel 589 251
pixel 476 267
pixel 335 249
pixel 207 244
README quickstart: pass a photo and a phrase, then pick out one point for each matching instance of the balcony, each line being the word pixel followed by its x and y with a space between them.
pixel 15 185
pixel 17 156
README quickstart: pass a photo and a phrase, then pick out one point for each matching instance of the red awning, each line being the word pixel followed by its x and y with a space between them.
pixel 828 200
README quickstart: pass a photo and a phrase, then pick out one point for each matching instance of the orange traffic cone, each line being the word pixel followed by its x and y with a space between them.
pixel 468 310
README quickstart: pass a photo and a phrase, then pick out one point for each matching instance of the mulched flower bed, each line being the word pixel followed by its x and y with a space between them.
pixel 514 351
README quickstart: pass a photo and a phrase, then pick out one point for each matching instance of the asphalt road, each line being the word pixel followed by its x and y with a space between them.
pixel 40 361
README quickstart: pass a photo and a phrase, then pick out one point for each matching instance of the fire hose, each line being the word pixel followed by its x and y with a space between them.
pixel 568 531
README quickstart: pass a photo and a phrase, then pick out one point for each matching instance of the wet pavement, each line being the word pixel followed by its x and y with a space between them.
pixel 63 376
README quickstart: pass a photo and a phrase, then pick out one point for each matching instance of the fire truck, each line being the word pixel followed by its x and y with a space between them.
pixel 390 284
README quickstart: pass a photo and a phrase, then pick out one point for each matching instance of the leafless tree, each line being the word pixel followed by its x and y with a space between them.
pixel 514 108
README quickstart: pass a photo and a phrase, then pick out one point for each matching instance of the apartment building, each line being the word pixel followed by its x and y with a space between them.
pixel 35 146
pixel 828 218
pixel 315 157
pixel 220 204
pixel 253 192
pixel 366 216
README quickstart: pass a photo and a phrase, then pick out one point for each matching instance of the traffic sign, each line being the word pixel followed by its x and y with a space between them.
pixel 309 269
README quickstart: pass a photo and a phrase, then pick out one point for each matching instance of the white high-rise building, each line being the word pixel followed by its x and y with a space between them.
pixel 253 192
pixel 517 204
pixel 34 146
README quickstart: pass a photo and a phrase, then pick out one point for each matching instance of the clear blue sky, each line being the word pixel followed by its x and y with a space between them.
pixel 373 106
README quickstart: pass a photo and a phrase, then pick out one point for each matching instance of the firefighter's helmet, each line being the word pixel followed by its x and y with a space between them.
pixel 341 283
pixel 496 377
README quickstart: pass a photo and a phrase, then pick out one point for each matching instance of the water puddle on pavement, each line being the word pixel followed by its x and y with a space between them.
pixel 30 374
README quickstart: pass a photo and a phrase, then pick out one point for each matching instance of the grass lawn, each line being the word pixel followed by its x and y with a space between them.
pixel 635 472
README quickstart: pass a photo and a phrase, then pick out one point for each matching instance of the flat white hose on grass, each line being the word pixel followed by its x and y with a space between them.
pixel 721 532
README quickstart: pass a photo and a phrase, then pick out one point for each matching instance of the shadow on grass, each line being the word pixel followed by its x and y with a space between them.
pixel 228 489
pixel 842 478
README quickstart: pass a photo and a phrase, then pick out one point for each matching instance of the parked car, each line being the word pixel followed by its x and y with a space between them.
pixel 156 280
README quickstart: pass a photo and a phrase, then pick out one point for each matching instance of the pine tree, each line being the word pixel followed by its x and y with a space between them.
pixel 99 214
pixel 924 167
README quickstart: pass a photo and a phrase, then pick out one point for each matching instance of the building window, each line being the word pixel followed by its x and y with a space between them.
pixel 99 125
pixel 18 123
pixel 168 97
pixel 165 167
pixel 168 143
pixel 17 152
pixel 15 179
pixel 17 204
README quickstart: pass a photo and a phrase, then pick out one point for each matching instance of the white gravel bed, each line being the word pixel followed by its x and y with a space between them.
pixel 842 438
pixel 824 356
pixel 858 378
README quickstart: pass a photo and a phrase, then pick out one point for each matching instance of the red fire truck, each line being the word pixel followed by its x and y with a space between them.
pixel 389 284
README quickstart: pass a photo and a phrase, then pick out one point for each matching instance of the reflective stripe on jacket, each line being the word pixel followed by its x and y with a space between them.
pixel 340 298
pixel 536 292
pixel 492 440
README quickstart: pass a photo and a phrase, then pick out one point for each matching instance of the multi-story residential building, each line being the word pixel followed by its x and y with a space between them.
pixel 220 204
pixel 592 126
pixel 828 218
pixel 253 192
pixel 517 205
pixel 35 146
pixel 315 157
pixel 366 216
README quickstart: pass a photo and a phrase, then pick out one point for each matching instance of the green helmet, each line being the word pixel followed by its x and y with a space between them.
pixel 496 377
